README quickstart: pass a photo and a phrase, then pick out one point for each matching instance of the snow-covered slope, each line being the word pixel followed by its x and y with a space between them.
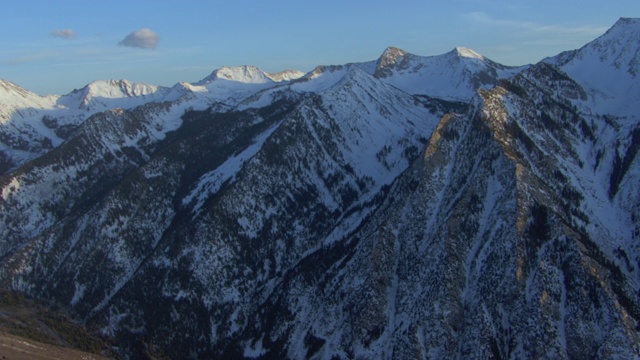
pixel 333 151
pixel 231 85
pixel 32 125
pixel 409 207
pixel 454 76
pixel 15 100
pixel 608 68
pixel 286 75
pixel 21 132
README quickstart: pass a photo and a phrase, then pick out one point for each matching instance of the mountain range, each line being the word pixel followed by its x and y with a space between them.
pixel 407 207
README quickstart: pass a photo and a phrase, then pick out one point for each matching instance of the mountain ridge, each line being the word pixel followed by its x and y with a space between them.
pixel 50 120
pixel 615 56
pixel 405 207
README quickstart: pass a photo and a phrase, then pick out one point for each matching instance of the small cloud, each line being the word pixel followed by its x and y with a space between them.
pixel 64 34
pixel 143 38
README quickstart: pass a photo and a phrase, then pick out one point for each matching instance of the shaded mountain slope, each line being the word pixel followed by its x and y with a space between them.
pixel 409 207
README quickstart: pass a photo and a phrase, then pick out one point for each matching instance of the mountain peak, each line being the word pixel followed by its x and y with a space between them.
pixel 7 84
pixel 120 88
pixel 104 94
pixel 625 21
pixel 9 87
pixel 390 56
pixel 466 53
pixel 623 30
pixel 14 97
pixel 388 60
pixel 607 67
pixel 243 74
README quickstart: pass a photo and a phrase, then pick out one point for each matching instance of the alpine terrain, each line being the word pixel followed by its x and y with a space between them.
pixel 407 207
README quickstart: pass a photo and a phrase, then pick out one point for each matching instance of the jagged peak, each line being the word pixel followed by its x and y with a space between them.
pixel 390 56
pixel 388 60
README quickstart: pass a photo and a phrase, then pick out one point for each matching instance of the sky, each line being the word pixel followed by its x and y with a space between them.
pixel 54 47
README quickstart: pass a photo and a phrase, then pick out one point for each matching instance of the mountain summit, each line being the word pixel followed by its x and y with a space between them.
pixel 407 207
pixel 467 53
pixel 243 74
pixel 454 76
pixel 388 60
pixel 250 75
pixel 608 68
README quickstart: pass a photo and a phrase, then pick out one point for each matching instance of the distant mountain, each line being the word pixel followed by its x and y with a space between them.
pixel 406 207
pixel 456 75
pixel 21 137
pixel 105 95
pixel 250 75
pixel 14 98
pixel 31 125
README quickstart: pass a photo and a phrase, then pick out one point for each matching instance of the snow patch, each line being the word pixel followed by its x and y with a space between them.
pixel 11 188
pixel 468 53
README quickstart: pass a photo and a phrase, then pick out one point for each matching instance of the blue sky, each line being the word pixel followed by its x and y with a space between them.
pixel 56 46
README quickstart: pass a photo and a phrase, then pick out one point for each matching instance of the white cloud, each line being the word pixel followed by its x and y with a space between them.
pixel 65 34
pixel 143 38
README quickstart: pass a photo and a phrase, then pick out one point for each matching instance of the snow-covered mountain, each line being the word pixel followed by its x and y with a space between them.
pixel 615 54
pixel 456 75
pixel 111 94
pixel 406 207
pixel 14 99
pixel 31 125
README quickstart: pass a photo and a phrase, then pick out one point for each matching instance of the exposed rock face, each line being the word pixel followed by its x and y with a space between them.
pixel 348 214
pixel 389 60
